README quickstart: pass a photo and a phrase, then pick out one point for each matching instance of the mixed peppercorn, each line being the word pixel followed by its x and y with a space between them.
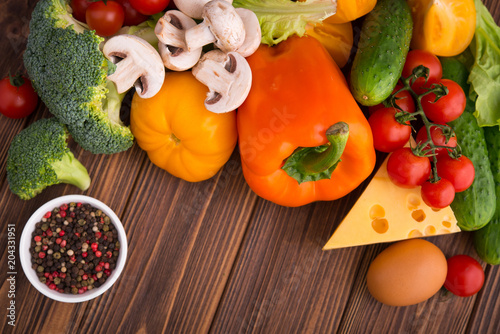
pixel 74 248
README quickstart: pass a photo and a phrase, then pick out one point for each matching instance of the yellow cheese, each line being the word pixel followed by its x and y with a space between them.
pixel 386 213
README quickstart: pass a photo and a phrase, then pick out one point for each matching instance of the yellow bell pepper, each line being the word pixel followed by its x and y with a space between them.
pixel 178 133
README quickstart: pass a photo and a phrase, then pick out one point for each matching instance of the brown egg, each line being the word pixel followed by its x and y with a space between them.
pixel 407 272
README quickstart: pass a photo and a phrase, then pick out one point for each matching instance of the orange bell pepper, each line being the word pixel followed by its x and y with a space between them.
pixel 178 133
pixel 296 123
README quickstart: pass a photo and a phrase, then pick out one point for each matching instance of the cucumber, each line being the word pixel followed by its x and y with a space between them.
pixel 381 51
pixel 475 206
pixel 487 239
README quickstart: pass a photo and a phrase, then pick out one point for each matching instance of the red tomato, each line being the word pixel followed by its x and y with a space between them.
pixel 388 133
pixel 149 7
pixel 460 172
pixel 18 99
pixel 465 276
pixel 406 169
pixel 105 18
pixel 79 8
pixel 132 16
pixel 427 59
pixel 439 194
pixel 438 138
pixel 404 101
pixel 448 107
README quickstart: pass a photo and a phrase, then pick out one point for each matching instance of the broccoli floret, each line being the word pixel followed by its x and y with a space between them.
pixel 69 72
pixel 39 157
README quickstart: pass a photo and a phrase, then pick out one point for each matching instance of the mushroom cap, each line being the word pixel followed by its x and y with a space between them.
pixel 137 64
pixel 193 8
pixel 228 77
pixel 170 31
pixel 225 24
pixel 253 33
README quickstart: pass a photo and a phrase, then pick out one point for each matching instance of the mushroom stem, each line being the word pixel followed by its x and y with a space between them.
pixel 124 80
pixel 199 36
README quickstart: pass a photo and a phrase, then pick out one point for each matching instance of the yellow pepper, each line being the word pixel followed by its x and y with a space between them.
pixel 178 133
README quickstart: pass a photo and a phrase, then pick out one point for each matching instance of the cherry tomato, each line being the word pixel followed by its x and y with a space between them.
pixel 404 101
pixel 79 8
pixel 406 169
pixel 439 194
pixel 149 7
pixel 427 59
pixel 460 172
pixel 132 16
pixel 388 133
pixel 105 18
pixel 438 138
pixel 448 107
pixel 18 99
pixel 465 276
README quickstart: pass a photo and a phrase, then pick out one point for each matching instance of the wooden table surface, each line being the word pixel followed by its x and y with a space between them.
pixel 212 256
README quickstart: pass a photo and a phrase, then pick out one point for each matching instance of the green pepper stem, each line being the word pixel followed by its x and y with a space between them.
pixel 317 163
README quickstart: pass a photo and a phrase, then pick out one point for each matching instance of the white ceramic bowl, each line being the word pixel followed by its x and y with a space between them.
pixel 25 255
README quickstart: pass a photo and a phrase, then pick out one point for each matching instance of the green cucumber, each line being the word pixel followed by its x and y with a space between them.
pixel 381 51
pixel 487 239
pixel 475 206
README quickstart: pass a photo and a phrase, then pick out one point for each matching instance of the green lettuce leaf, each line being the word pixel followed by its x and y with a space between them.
pixel 280 19
pixel 485 72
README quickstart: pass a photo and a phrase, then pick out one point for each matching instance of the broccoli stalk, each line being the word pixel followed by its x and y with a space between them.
pixel 39 157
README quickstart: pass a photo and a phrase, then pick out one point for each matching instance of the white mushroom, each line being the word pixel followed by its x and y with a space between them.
pixel 137 64
pixel 221 25
pixel 253 34
pixel 193 8
pixel 228 77
pixel 170 31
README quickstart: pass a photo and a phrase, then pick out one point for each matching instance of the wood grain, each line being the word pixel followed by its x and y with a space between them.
pixel 212 257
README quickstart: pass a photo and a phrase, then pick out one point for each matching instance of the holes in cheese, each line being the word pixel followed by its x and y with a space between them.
pixel 385 212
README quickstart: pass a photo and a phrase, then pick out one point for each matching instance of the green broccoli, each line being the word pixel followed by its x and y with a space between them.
pixel 39 157
pixel 69 73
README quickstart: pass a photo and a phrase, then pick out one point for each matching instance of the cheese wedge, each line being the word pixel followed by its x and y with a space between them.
pixel 386 213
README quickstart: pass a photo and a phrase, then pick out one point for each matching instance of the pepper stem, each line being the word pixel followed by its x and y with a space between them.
pixel 318 163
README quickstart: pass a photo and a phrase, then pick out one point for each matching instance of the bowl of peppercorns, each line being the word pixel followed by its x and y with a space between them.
pixel 73 248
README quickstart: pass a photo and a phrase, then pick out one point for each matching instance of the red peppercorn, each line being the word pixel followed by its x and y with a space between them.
pixel 98 235
pixel 94 246
pixel 98 253
pixel 46 275
pixel 64 207
pixel 84 254
pixel 94 277
pixel 72 214
pixel 107 272
pixel 81 290
pixel 44 234
pixel 98 268
pixel 48 214
pixel 49 233
pixel 106 265
pixel 109 254
pixel 58 241
pixel 38 238
pixel 52 286
pixel 63 243
pixel 85 277
pixel 45 247
pixel 101 263
pixel 62 214
pixel 77 234
pixel 72 258
pixel 41 255
pixel 79 204
pixel 55 274
pixel 62 275
pixel 61 233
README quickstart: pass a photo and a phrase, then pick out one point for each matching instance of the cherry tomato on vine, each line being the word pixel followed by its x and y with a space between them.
pixel 407 170
pixel 388 133
pixel 427 59
pixel 105 18
pixel 465 276
pixel 132 16
pixel 449 107
pixel 79 8
pixel 18 99
pixel 460 172
pixel 149 7
pixel 438 194
pixel 404 101
pixel 438 138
